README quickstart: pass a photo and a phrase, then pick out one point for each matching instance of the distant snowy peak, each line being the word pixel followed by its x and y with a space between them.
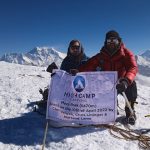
pixel 13 58
pixel 43 56
pixel 44 51
pixel 146 55
pixel 143 61
pixel 39 56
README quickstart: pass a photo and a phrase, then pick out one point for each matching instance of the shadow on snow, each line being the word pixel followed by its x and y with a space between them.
pixel 29 128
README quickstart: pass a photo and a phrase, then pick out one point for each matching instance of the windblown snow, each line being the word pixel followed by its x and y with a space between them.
pixel 23 129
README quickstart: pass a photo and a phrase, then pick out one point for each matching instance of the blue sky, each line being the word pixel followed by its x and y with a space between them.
pixel 25 24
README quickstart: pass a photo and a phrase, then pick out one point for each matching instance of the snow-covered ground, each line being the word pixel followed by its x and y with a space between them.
pixel 23 129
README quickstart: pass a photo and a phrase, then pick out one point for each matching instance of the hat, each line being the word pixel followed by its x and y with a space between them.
pixel 112 33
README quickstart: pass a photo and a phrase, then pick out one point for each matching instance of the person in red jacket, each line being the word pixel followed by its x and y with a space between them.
pixel 114 56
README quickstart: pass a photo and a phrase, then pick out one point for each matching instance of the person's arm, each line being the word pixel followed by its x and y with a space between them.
pixel 131 66
pixel 65 65
pixel 90 65
pixel 62 65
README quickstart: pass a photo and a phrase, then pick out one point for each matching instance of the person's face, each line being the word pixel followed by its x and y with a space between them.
pixel 75 49
pixel 112 43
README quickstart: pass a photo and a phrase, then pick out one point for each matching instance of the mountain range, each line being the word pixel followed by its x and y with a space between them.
pixel 44 56
pixel 38 56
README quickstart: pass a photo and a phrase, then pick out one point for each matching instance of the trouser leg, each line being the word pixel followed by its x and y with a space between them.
pixel 131 94
pixel 127 110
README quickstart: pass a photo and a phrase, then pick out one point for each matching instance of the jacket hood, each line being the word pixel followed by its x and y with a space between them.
pixel 70 44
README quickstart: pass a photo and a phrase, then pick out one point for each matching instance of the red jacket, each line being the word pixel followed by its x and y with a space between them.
pixel 122 61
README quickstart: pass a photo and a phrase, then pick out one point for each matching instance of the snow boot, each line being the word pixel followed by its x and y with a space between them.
pixel 131 118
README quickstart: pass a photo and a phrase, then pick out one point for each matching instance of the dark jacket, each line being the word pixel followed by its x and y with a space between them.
pixel 71 62
pixel 122 61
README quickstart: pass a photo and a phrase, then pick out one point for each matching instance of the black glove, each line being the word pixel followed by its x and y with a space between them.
pixel 73 71
pixel 51 67
pixel 122 85
pixel 52 74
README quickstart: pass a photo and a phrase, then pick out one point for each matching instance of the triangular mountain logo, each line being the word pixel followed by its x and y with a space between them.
pixel 79 83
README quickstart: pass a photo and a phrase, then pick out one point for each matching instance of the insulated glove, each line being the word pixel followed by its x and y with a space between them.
pixel 51 67
pixel 122 85
pixel 52 74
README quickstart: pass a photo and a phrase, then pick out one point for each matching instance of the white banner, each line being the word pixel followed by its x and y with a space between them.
pixel 87 98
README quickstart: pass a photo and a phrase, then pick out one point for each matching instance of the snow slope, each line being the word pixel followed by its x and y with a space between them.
pixel 23 129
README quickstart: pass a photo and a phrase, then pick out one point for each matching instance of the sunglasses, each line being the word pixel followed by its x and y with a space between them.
pixel 112 41
pixel 75 47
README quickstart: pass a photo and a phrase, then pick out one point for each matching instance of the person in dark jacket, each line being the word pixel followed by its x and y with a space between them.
pixel 75 56
pixel 114 56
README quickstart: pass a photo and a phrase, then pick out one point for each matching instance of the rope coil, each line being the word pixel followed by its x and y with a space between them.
pixel 128 134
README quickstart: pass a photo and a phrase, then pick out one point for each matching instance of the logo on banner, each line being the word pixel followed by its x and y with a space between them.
pixel 79 83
